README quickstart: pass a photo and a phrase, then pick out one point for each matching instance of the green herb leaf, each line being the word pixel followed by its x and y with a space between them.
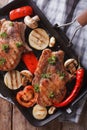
pixel 5 47
pixel 47 75
pixel 51 95
pixel 61 74
pixel 11 24
pixel 2 61
pixel 52 60
pixel 19 44
pixel 36 87
pixel 3 35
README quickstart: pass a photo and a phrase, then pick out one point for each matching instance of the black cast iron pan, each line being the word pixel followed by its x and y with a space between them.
pixel 62 43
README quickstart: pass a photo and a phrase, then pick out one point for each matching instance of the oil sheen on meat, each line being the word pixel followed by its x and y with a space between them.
pixel 12 43
pixel 51 77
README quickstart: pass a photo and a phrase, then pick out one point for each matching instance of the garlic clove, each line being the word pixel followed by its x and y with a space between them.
pixel 52 42
pixel 51 110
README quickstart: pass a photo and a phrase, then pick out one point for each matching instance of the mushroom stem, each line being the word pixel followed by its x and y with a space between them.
pixel 31 22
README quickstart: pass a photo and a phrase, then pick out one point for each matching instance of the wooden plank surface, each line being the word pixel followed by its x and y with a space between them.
pixel 12 119
pixel 5 115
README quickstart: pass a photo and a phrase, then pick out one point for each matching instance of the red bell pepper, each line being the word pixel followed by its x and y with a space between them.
pixel 75 91
pixel 30 61
pixel 27 97
pixel 20 12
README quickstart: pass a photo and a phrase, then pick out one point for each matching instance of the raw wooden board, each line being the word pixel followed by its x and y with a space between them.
pixel 62 42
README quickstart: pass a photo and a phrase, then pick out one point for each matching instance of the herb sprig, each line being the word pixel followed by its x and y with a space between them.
pixel 52 60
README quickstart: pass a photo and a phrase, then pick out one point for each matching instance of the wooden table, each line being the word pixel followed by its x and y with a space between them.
pixel 12 119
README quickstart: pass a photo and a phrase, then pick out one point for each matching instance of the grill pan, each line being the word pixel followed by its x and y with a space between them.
pixel 62 43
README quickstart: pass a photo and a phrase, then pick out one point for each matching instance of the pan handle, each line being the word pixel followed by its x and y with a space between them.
pixel 82 18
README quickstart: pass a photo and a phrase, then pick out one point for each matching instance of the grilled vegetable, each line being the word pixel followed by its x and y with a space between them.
pixel 71 65
pixel 26 77
pixel 38 39
pixel 30 61
pixel 75 91
pixel 32 22
pixel 13 79
pixel 27 97
pixel 20 12
pixel 39 112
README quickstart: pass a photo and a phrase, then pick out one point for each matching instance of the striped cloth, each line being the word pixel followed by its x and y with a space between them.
pixel 4 2
pixel 61 12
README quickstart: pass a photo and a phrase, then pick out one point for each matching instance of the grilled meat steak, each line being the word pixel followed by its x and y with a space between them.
pixel 12 43
pixel 51 77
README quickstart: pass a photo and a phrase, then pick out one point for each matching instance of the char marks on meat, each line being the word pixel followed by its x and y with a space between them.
pixel 12 43
pixel 51 77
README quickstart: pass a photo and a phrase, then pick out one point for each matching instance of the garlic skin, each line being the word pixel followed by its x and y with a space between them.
pixel 32 22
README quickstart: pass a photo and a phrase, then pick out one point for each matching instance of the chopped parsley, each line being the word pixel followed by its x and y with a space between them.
pixel 51 95
pixel 36 88
pixel 11 24
pixel 5 47
pixel 52 60
pixel 3 35
pixel 61 74
pixel 19 44
pixel 46 75
pixel 2 61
